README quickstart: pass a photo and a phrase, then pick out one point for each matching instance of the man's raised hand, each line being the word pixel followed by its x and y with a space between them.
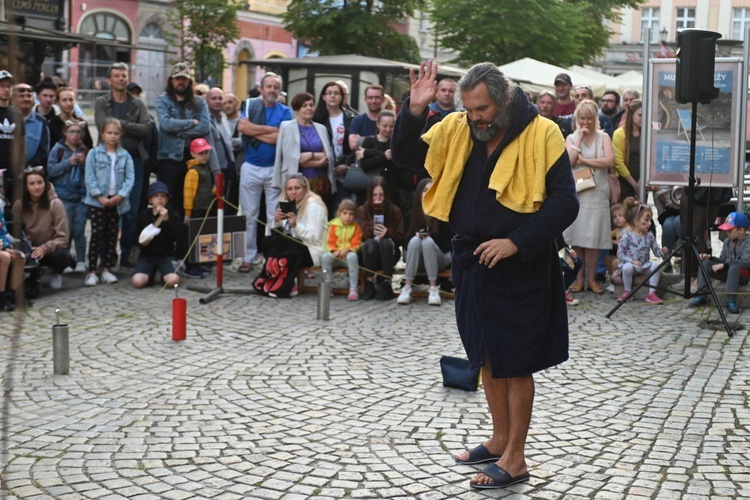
pixel 423 87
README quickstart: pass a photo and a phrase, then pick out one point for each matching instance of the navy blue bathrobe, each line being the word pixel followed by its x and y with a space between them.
pixel 516 311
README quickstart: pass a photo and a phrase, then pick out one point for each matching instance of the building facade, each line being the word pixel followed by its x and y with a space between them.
pixel 139 27
pixel 731 18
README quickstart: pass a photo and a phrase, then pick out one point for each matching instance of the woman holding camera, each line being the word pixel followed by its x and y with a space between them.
pixel 383 234
pixel 429 248
pixel 298 238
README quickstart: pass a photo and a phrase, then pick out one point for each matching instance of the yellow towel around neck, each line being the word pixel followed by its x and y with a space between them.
pixel 519 176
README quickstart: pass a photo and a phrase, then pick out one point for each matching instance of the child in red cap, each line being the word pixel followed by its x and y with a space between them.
pixel 198 192
pixel 732 266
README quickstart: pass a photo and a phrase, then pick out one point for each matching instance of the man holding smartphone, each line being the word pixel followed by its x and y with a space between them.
pixel 502 179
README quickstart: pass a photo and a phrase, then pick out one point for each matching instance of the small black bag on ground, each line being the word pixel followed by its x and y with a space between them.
pixel 457 373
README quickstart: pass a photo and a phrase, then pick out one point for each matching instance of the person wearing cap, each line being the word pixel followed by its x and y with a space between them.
pixel 198 192
pixel 158 229
pixel 12 145
pixel 131 112
pixel 135 89
pixel 733 264
pixel 565 105
pixel 182 117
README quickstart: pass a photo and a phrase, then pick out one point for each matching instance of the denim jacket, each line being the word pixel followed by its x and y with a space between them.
pixel 98 171
pixel 176 128
pixel 68 179
pixel 37 139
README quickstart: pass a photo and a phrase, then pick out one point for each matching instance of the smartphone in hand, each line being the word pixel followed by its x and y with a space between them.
pixel 380 219
pixel 288 207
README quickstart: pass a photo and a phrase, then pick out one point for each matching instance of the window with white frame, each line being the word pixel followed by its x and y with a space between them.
pixel 650 19
pixel 740 23
pixel 685 18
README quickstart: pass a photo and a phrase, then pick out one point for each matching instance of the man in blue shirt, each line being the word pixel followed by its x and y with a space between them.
pixel 444 104
pixel 364 124
pixel 259 127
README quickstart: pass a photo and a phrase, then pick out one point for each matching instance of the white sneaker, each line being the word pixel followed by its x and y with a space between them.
pixel 610 288
pixel 80 268
pixel 433 298
pixel 56 282
pixel 108 277
pixel 68 270
pixel 405 296
pixel 91 280
pixel 257 260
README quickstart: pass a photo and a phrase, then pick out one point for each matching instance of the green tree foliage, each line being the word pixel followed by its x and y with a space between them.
pixel 561 32
pixel 354 27
pixel 202 29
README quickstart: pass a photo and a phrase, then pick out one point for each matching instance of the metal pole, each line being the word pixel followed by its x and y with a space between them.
pixel 743 125
pixel 324 297
pixel 60 347
pixel 646 122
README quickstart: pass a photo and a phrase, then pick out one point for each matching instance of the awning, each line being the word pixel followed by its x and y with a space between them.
pixel 348 62
pixel 36 34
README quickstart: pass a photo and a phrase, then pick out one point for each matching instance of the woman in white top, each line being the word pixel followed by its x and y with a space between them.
pixel 308 224
pixel 331 113
pixel 590 148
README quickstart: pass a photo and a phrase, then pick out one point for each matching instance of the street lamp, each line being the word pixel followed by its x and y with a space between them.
pixel 663 34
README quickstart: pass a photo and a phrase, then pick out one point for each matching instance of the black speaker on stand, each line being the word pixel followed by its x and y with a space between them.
pixel 694 83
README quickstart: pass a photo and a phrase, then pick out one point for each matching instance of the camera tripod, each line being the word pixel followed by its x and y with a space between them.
pixel 687 244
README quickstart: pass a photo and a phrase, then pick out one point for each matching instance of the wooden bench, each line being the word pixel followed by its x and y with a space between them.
pixel 302 277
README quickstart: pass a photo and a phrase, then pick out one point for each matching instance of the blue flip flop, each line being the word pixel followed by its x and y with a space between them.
pixel 500 478
pixel 479 455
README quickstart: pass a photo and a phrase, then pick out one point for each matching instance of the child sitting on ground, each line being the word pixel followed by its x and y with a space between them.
pixel 732 266
pixel 619 227
pixel 198 192
pixel 344 240
pixel 633 250
pixel 11 262
pixel 159 229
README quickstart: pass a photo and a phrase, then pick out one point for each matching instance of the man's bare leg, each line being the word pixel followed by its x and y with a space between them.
pixel 519 400
pixel 496 392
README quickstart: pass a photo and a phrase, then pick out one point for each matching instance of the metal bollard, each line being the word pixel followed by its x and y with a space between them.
pixel 60 347
pixel 324 298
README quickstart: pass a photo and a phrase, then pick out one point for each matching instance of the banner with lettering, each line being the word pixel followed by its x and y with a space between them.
pixel 668 125
pixel 35 8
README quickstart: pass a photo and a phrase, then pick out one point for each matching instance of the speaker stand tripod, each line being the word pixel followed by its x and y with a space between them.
pixel 687 244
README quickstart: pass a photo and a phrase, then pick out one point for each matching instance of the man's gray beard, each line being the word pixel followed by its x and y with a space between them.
pixel 493 129
pixel 269 101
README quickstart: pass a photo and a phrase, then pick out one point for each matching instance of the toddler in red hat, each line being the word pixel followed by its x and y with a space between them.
pixel 198 189
pixel 733 264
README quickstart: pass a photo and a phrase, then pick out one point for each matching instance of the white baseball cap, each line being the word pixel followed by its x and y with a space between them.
pixel 4 75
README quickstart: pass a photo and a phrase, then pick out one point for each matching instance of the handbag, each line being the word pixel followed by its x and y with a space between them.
pixel 459 374
pixel 584 179
pixel 357 178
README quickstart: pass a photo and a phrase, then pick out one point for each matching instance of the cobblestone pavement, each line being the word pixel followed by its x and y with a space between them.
pixel 264 401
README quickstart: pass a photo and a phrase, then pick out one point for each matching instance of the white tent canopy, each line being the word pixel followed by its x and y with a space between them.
pixel 631 80
pixel 610 82
pixel 535 76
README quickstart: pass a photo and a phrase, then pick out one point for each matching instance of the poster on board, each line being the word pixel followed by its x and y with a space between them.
pixel 717 128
